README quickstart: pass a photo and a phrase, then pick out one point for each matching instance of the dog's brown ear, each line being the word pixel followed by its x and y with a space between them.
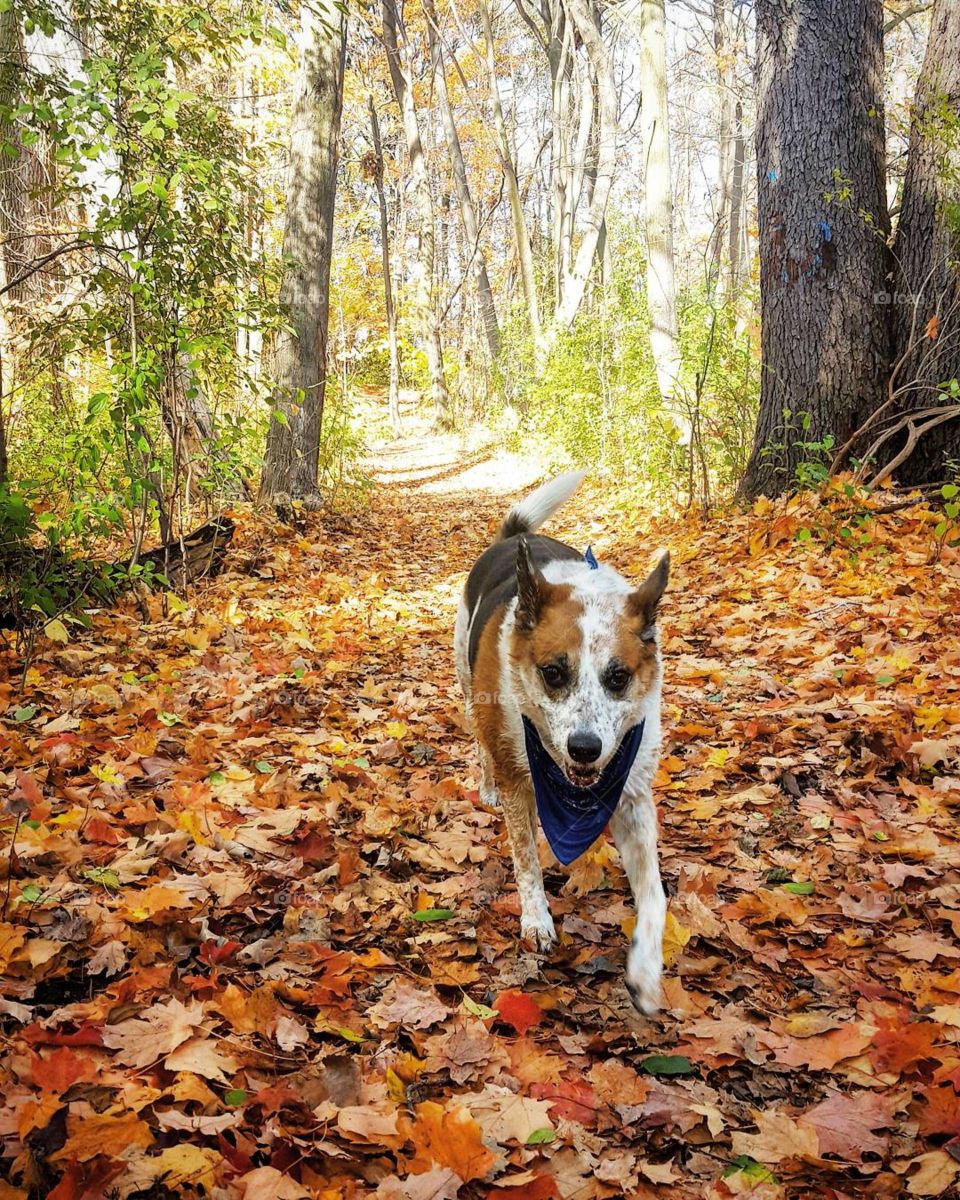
pixel 643 603
pixel 531 588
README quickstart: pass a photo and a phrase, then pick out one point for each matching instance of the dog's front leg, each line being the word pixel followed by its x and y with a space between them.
pixel 634 829
pixel 536 923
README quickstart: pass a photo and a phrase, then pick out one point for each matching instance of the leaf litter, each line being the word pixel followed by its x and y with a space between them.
pixel 260 936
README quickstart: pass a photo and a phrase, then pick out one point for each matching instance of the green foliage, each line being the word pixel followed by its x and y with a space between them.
pixel 598 403
pixel 811 458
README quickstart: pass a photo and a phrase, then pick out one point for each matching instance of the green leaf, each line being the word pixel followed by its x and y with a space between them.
pixel 541 1137
pixel 799 888
pixel 478 1010
pixel 804 535
pixel 263 766
pixel 31 893
pixel 667 1064
pixel 235 1097
pixel 884 679
pixel 216 778
pixel 750 1168
pixel 104 876
pixel 168 718
pixel 25 713
pixel 433 914
pixel 949 490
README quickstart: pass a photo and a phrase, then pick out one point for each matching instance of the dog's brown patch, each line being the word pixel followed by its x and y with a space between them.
pixel 637 656
pixel 558 631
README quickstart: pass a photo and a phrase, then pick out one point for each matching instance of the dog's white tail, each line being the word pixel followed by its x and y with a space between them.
pixel 534 509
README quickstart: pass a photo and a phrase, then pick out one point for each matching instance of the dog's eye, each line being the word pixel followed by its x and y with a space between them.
pixel 553 675
pixel 649 634
pixel 616 679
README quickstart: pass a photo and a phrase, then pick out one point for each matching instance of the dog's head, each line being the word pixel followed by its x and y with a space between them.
pixel 584 657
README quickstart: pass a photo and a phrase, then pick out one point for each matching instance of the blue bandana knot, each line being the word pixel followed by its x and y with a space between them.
pixel 574 817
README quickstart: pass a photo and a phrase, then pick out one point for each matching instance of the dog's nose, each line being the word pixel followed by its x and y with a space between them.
pixel 584 746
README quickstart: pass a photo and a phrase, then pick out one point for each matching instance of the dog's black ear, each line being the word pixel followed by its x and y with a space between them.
pixel 530 588
pixel 645 600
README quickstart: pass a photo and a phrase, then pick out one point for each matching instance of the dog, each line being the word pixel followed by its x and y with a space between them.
pixel 559 663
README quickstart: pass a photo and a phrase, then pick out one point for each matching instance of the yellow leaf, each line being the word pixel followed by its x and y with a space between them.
pixel 675 937
pixel 56 631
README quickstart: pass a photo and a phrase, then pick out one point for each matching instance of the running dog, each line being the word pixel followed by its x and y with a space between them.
pixel 558 659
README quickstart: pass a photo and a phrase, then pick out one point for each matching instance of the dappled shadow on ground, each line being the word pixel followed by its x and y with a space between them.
pixel 262 935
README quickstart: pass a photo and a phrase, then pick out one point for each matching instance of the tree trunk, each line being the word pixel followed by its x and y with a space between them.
pixel 927 248
pixel 823 225
pixel 468 213
pixel 601 68
pixel 736 252
pixel 427 310
pixel 524 250
pixel 300 357
pixel 391 314
pixel 658 197
pixel 725 144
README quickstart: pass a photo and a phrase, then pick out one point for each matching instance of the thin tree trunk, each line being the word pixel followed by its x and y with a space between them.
pixel 300 359
pixel 927 248
pixel 658 197
pixel 521 234
pixel 427 308
pixel 394 393
pixel 468 213
pixel 725 164
pixel 823 257
pixel 736 253
pixel 601 66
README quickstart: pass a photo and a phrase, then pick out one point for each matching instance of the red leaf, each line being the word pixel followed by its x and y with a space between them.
pixel 211 953
pixel 899 1044
pixel 98 830
pixel 518 1009
pixel 86 1035
pixel 574 1101
pixel 58 1072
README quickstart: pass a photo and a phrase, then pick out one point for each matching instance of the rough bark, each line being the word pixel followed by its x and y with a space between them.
pixel 927 247
pixel 300 356
pixel 427 309
pixel 823 225
pixel 468 213
pixel 658 201
pixel 389 308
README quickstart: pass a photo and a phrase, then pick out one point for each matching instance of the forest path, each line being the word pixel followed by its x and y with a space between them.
pixel 260 924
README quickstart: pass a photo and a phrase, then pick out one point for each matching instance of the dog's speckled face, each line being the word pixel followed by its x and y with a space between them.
pixel 584 657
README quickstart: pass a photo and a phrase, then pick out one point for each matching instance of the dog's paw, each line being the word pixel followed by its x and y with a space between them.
pixel 643 982
pixel 539 931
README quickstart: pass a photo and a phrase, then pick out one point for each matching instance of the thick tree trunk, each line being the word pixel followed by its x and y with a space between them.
pixel 427 309
pixel 389 308
pixel 823 225
pixel 658 198
pixel 300 357
pixel 468 213
pixel 927 248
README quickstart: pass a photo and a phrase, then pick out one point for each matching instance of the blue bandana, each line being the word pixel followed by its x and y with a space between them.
pixel 574 817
